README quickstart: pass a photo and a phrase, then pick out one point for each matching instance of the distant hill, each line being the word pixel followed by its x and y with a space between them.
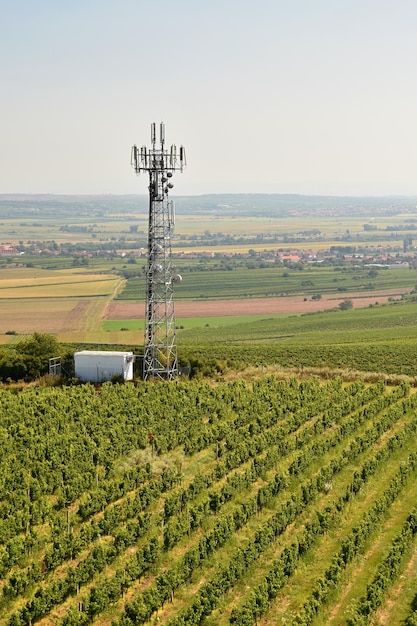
pixel 280 205
pixel 262 205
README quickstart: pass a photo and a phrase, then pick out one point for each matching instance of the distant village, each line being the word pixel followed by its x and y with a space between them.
pixel 382 256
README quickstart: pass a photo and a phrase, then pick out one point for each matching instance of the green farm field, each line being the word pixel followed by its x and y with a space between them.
pixel 213 282
pixel 187 322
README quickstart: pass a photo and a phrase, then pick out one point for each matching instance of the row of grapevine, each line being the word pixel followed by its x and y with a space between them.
pixel 160 486
pixel 280 571
pixel 198 609
pixel 387 572
pixel 144 606
pixel 41 608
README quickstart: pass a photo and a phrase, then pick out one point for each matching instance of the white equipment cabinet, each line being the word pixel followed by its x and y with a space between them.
pixel 101 366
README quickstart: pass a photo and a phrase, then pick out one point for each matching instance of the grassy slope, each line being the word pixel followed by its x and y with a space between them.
pixel 381 338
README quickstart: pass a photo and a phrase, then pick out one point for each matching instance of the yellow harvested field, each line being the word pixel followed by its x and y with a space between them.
pixel 31 273
pixel 58 286
pixel 261 247
pixel 50 315
pixel 59 301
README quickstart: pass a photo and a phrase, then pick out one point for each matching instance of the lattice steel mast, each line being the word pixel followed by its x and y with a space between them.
pixel 160 349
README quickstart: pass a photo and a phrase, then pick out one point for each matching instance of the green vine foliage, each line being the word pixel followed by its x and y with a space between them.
pixel 114 499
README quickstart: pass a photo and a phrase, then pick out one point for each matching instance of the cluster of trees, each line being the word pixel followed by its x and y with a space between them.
pixel 29 358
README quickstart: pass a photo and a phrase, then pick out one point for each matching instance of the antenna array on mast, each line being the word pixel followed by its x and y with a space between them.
pixel 160 350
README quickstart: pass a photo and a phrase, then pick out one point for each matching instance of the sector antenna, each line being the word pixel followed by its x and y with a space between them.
pixel 160 358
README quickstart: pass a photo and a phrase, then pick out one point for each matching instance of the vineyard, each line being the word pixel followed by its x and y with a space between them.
pixel 275 501
pixel 379 338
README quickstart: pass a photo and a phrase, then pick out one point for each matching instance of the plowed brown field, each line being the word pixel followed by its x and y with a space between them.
pixel 253 306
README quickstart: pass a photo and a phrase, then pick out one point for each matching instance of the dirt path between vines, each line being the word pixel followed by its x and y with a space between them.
pixel 254 306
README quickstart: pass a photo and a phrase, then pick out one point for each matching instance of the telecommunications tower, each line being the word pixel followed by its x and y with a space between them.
pixel 160 350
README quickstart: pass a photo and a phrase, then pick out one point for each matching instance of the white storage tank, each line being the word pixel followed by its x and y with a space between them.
pixel 100 366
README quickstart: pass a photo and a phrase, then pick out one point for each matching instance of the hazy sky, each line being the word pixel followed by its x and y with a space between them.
pixel 285 96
